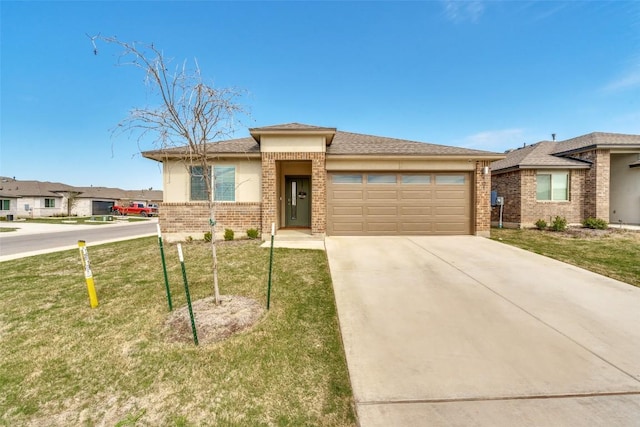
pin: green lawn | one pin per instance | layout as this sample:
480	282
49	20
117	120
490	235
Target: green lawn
613	253
62	363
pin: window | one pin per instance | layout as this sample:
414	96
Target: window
49	203
416	179
5	205
381	179
224	187
347	179
198	185
552	186
450	179
224	183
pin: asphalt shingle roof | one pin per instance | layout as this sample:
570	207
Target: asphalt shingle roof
355	143
343	143
536	156
292	126
12	188
596	140
18	188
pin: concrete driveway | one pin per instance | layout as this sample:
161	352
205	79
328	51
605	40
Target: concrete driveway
463	330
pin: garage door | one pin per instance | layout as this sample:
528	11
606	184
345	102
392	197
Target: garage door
367	203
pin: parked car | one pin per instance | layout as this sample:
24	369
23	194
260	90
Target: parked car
135	209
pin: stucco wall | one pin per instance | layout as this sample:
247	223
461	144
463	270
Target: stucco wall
293	144
624	202
248	174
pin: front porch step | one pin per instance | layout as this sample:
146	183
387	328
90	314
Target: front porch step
292	235
295	239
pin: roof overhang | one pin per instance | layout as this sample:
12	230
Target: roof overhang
617	148
471	158
539	167
161	156
258	133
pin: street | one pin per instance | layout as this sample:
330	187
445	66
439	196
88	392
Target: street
32	239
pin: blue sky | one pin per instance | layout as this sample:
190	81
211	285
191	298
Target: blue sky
488	75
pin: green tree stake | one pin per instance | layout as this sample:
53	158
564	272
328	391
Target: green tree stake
164	270
186	290
273	231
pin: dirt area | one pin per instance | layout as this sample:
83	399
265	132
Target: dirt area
214	322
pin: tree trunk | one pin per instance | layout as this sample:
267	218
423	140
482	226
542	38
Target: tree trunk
214	252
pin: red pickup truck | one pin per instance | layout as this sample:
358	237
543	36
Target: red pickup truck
135	209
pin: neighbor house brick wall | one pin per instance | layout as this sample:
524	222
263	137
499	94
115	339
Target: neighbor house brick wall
192	219
318	188
522	208
533	210
482	199
508	186
596	203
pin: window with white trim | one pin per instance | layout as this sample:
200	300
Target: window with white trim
5	205
198	187
552	186
224	183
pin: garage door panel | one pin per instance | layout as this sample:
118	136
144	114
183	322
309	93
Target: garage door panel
382	227
382	210
417	227
347	210
348	227
416	210
348	194
416	194
450	210
431	207
382	194
450	227
451	194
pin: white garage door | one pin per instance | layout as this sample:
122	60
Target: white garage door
368	203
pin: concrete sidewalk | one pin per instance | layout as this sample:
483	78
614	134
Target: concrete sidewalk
467	331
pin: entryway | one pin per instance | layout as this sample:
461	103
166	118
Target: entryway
298	201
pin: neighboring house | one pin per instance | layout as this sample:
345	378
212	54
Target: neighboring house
591	176
8	205
33	199
329	182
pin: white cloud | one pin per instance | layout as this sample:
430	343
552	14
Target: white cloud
628	81
495	140
460	11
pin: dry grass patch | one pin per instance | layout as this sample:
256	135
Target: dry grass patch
612	252
62	363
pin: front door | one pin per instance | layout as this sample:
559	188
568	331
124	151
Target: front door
298	202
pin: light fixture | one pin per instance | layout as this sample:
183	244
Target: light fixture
485	170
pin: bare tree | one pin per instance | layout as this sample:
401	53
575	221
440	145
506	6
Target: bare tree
191	114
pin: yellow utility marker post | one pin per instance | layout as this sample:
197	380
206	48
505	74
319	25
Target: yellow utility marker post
88	275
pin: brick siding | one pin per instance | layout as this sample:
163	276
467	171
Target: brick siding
522	209
482	200
318	189
596	198
192	219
